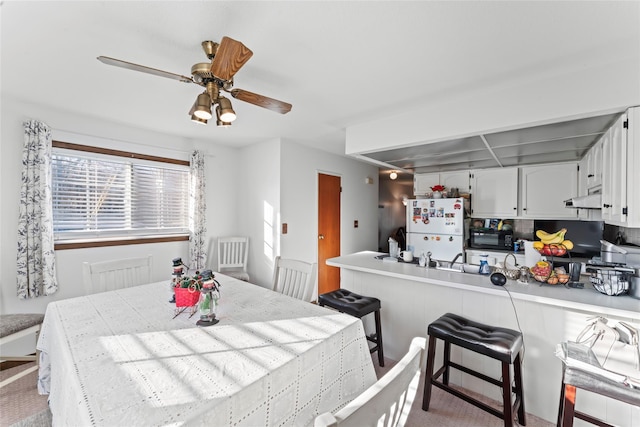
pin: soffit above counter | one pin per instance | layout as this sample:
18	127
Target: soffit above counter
548	143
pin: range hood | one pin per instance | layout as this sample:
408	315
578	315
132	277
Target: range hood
592	201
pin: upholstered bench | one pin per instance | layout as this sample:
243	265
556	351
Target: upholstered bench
359	306
16	326
502	344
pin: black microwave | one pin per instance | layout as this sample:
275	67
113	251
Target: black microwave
489	238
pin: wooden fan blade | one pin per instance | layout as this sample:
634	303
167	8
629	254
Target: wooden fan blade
142	68
230	57
261	101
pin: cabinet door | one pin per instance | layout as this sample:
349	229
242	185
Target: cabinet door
545	188
458	179
583	189
618	189
606	176
495	193
422	182
594	166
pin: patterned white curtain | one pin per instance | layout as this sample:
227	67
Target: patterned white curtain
36	267
197	212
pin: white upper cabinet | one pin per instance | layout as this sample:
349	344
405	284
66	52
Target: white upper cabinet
422	182
494	193
633	168
594	166
614	177
544	188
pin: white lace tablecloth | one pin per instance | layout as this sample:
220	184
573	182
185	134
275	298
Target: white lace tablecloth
119	359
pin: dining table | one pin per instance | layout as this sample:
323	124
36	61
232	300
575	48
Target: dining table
124	358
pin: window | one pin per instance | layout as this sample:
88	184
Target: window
105	194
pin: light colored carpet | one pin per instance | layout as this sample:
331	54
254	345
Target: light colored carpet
22	406
20	399
446	410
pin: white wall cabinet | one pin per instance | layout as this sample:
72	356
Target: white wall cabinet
495	193
544	188
422	182
594	167
614	176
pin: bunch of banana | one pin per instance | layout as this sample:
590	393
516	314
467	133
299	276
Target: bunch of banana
551	238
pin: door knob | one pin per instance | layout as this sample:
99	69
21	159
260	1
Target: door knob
321	237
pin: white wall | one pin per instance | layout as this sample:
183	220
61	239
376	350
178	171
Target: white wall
281	176
299	187
608	83
259	207
221	190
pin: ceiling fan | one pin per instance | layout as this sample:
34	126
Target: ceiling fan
226	57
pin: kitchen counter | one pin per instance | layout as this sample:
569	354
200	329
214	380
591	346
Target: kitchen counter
413	296
587	299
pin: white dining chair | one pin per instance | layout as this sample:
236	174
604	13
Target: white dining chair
116	274
294	278
14	327
232	257
388	401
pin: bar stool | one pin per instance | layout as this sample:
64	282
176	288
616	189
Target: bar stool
501	344
574	378
359	306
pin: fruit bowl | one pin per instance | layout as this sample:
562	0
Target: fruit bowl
553	250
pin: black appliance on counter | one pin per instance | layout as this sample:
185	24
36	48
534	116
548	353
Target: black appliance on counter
585	235
490	238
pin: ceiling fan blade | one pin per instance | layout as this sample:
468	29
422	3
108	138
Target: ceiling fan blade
261	101
230	57
142	68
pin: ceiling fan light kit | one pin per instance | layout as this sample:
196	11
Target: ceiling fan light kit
203	106
227	57
198	120
226	111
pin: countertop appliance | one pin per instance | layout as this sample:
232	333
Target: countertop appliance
490	238
436	226
621	260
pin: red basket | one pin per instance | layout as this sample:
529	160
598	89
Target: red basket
186	297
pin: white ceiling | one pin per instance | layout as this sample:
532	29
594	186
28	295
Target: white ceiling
338	63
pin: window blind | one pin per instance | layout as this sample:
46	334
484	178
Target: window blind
97	195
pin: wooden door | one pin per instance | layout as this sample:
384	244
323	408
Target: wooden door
328	231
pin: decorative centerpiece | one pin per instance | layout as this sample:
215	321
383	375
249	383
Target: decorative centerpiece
437	191
208	302
199	292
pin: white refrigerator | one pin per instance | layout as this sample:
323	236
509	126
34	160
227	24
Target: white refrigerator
436	226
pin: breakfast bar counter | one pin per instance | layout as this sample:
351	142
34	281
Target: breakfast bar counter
413	296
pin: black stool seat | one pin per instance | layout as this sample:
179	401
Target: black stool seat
498	343
502	344
350	302
359	306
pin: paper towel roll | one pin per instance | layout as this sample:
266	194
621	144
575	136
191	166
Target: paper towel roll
531	256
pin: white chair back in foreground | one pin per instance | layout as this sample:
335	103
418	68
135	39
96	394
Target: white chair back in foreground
388	401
